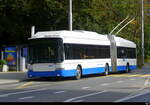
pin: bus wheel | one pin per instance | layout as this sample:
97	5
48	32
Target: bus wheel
78	73
106	70
127	68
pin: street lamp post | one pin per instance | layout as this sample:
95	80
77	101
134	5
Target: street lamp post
70	15
142	31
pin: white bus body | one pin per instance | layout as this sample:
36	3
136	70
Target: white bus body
73	43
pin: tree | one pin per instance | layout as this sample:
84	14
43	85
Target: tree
17	17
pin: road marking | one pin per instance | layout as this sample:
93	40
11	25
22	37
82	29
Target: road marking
119	75
145	75
8	85
132	79
57	83
71	99
6	82
78	101
39	85
137	75
132	95
146	82
28	91
119	81
104	84
25	85
29	97
129	75
85	87
59	92
4	95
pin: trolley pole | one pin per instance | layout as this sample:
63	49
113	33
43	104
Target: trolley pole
113	48
142	31
70	15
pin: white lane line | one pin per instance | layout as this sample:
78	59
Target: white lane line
8	85
71	99
146	82
85	87
4	95
6	82
29	97
119	81
78	101
28	91
130	97
132	79
104	84
133	96
59	92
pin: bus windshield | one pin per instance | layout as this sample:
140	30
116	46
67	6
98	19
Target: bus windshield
45	50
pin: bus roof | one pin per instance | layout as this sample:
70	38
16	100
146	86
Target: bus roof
124	42
84	37
65	33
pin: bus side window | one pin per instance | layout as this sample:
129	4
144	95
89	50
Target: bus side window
67	51
50	52
60	50
122	53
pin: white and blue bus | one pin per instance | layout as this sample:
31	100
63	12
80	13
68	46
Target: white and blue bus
78	53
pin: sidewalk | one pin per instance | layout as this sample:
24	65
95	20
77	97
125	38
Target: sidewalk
12	77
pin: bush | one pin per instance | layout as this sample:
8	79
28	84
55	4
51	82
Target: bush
3	62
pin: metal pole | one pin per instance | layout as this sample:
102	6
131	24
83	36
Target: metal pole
17	52
70	15
32	31
142	32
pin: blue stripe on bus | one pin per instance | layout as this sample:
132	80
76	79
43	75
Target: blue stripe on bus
71	73
122	68
63	73
87	71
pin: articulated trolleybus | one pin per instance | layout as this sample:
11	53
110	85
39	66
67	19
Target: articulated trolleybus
78	53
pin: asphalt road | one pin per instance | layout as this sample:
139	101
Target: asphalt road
118	87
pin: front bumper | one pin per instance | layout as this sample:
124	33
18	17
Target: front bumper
60	73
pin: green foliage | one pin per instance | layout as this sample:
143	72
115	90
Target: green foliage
3	62
17	17
147	41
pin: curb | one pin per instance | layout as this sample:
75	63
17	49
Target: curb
12	77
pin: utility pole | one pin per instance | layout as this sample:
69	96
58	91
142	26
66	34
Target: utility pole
142	31
70	15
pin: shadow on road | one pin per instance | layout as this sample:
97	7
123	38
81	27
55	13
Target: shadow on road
59	79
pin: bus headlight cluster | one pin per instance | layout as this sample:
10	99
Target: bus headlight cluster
30	67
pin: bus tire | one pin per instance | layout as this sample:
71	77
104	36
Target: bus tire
106	70
127	68
78	73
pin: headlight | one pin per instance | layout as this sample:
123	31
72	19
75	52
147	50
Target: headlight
60	67
30	67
